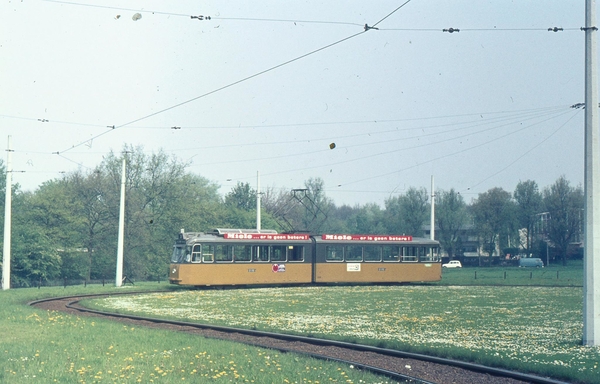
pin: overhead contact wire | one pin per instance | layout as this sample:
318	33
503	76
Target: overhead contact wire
222	88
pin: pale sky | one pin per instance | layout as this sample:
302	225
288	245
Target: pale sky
484	107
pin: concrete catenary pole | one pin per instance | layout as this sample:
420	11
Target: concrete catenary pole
591	284
120	241
7	220
258	225
432	222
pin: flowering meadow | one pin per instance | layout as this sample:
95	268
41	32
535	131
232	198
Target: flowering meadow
533	329
38	346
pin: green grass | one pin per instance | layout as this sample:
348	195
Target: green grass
554	275
46	346
530	329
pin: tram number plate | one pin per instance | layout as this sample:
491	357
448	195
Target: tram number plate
252	270
381	269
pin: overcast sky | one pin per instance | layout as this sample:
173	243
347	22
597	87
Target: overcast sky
271	86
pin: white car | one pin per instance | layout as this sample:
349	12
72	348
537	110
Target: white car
452	264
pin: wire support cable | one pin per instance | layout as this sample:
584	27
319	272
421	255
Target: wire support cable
219	89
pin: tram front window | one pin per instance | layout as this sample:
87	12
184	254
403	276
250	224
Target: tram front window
178	255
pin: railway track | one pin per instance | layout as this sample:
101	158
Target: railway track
397	365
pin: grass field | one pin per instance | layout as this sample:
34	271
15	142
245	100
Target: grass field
43	347
535	329
554	275
508	317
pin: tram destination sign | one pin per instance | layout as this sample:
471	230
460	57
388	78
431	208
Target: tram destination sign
266	236
367	237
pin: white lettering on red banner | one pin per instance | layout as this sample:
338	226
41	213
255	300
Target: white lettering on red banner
367	237
265	236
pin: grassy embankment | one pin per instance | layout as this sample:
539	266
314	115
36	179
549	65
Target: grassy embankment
531	326
43	347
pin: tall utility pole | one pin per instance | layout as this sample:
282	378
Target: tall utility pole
432	222
591	267
120	241
258	225
7	220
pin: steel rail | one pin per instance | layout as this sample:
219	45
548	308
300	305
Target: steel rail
313	341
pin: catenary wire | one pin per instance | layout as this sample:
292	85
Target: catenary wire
524	153
223	87
453	138
403	169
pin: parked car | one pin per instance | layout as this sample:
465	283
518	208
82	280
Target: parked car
531	262
452	264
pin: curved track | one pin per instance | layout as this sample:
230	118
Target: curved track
398	365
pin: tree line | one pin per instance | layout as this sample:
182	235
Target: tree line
67	228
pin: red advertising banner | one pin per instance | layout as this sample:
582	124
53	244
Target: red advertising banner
265	236
367	237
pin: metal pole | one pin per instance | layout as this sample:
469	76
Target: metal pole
591	268
7	220
432	223
258	226
119	277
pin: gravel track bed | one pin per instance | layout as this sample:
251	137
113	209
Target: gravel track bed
433	372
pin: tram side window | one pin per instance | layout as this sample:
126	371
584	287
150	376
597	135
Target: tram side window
409	254
354	253
260	253
242	253
278	253
423	256
390	253
334	253
222	253
372	253
295	253
429	254
208	253
196	253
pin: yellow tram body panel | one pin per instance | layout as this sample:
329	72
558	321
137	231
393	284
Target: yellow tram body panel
247	257
377	272
240	273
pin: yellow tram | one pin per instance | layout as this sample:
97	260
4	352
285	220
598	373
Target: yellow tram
249	257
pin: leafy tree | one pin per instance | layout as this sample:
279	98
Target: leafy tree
90	212
450	217
242	196
528	204
407	213
492	211
367	219
35	256
564	204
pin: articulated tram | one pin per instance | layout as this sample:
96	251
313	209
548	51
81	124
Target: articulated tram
248	256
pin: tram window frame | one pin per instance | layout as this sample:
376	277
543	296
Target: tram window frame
260	253
242	253
335	250
409	254
372	250
279	253
391	253
223	253
295	253
208	253
196	253
430	254
351	253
